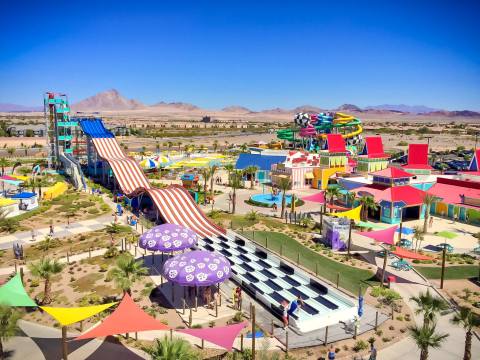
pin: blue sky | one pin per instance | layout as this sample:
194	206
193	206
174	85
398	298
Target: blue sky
259	54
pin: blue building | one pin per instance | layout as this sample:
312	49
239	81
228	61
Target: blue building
263	162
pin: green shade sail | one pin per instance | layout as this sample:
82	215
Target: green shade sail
447	234
13	293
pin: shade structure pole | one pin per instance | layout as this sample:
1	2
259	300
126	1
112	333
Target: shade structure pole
444	255
349	238
64	343
384	266
253	332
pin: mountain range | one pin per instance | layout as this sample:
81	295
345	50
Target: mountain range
112	100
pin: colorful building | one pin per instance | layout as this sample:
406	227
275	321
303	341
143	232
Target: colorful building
372	158
263	162
396	198
459	199
417	161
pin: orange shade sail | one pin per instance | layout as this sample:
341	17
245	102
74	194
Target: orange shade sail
127	317
406	254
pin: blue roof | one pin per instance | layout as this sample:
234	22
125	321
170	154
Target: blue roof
23	195
94	128
264	162
190	177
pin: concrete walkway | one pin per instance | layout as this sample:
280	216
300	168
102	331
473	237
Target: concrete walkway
60	231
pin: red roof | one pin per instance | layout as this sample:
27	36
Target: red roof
450	190
336	143
374	147
126	318
408	194
392	173
417	166
417	156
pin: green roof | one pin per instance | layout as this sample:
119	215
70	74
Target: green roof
13	293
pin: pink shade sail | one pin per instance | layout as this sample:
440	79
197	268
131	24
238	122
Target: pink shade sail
318	198
126	318
223	336
385	236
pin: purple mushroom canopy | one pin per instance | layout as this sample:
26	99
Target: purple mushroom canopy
168	238
197	268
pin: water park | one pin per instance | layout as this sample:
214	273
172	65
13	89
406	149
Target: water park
311	246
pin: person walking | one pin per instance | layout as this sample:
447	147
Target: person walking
34	234
373	352
51	230
430	222
239	298
331	353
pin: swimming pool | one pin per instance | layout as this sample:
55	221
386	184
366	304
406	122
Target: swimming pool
270	199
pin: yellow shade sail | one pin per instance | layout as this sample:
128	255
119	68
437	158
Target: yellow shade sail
353	214
67	316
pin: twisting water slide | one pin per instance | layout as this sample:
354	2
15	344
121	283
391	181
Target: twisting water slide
174	203
319	125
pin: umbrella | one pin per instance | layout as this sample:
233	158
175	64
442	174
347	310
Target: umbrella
447	234
148	164
406	230
360	305
162	160
167	238
197	268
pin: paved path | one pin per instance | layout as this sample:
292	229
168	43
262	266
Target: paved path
61	231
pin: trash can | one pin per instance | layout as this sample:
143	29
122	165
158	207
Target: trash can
391	279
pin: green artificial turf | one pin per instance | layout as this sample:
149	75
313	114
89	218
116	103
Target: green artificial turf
350	277
451	272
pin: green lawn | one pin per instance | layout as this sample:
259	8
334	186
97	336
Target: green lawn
350	277
451	272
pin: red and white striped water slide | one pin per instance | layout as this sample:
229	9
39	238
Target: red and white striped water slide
174	203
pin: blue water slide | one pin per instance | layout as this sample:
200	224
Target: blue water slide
94	128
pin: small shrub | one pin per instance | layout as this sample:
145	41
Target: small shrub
34	283
197	326
386	339
360	345
391	327
211	324
237	317
399	318
379	333
103	267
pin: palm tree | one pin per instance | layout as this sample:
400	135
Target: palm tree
332	193
112	229
429	306
126	271
212	170
350	197
17	164
428	200
157	147
251	170
175	349
215	145
45	269
284	184
3	164
367	203
8	325
418	236
468	320
235	183
206	176
243	147
229	168
170	145
11	151
425	337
